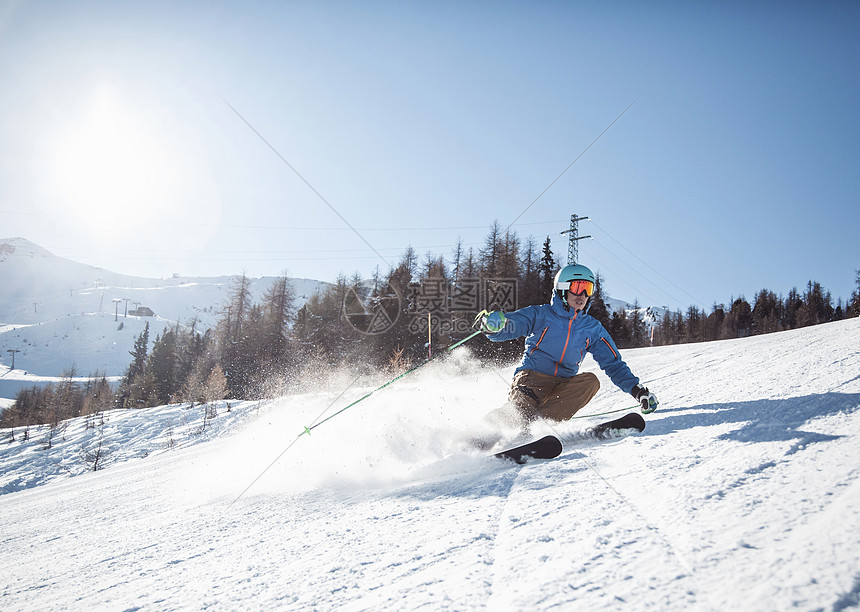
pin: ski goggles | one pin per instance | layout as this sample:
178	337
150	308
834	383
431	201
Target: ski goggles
576	287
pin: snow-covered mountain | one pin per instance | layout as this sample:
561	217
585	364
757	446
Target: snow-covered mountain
650	315
742	493
59	313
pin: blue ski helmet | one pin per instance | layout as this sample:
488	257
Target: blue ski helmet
576	272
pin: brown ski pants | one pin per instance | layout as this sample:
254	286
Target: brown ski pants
538	395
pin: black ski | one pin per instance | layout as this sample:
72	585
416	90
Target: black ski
550	447
617	428
545	448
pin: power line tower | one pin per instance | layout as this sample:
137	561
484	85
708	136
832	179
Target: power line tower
573	239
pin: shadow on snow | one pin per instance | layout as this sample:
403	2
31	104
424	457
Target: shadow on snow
766	420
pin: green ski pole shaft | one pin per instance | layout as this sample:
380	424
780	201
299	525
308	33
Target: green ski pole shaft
308	430
596	414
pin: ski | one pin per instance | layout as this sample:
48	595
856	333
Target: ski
550	447
547	447
617	428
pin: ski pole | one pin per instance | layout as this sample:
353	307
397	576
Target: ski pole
588	416
307	430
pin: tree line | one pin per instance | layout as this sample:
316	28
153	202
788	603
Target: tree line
387	324
767	313
54	403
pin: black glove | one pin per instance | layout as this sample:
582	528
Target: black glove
646	398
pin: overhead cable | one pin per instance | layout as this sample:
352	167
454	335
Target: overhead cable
569	166
311	187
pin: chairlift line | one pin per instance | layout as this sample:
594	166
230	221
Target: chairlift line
698	301
569	166
305	181
359	234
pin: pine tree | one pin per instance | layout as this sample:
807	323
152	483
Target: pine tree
792	307
638	334
839	313
739	319
231	336
547	268
306	327
666	330
190	345
194	385
470	265
98	395
619	328
530	277
715	322
68	400
598	308
252	368
508	256
136	369
403	273
162	365
457	261
433	267
215	387
694	325
238	307
766	313
817	306
680	327
139	354
853	307
278	304
490	254
142	391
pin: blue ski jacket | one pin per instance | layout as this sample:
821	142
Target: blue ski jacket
557	339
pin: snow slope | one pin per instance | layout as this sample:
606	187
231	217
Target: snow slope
742	493
61	314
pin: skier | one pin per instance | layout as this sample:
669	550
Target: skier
547	384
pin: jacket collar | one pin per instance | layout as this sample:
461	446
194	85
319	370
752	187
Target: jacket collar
563	310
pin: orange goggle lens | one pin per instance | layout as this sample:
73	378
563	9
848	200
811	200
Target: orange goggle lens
576	287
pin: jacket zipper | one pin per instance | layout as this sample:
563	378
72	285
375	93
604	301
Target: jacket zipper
610	347
566	340
542	334
584	351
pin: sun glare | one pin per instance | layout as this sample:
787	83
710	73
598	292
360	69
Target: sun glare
113	164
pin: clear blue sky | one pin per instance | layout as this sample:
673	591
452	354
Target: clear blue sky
421	123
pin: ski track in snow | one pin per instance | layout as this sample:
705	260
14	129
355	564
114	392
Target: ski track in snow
743	492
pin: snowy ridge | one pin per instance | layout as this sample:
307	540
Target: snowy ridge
743	492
